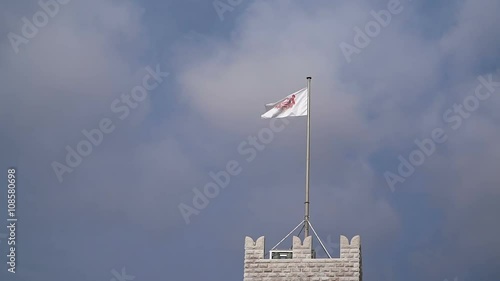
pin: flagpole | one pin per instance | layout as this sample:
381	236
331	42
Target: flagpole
308	144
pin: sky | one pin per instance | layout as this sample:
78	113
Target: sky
139	153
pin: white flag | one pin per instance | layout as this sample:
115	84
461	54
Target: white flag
293	105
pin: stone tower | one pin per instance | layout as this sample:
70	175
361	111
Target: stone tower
302	266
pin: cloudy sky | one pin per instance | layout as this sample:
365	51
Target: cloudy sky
388	77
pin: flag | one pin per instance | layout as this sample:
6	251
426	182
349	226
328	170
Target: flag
293	105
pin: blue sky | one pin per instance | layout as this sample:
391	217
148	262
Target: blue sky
119	206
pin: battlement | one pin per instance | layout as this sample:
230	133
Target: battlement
302	266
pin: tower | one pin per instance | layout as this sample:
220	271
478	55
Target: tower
302	266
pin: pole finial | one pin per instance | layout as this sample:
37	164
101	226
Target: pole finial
309	78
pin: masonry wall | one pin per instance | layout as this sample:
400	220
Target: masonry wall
302	267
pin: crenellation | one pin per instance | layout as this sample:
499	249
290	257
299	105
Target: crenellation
254	249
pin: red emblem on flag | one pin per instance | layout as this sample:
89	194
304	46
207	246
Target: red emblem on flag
287	103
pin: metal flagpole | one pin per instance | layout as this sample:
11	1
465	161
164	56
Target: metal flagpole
306	217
